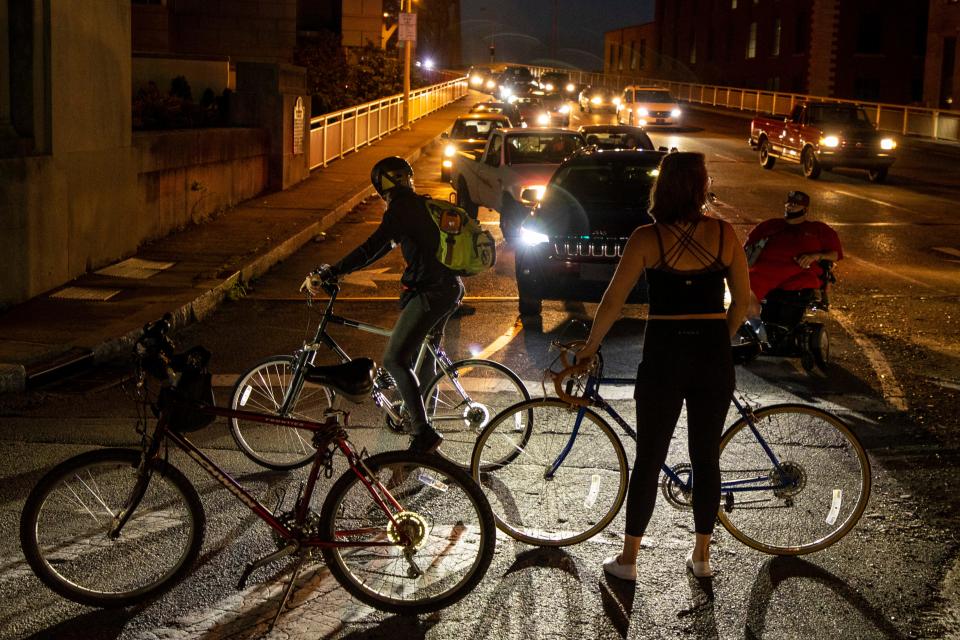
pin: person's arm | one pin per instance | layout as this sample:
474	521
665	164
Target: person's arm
830	247
807	259
738	281
373	248
611	305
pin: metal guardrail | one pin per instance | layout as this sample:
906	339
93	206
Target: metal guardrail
334	135
933	124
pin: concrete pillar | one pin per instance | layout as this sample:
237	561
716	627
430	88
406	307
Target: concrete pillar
6	126
267	97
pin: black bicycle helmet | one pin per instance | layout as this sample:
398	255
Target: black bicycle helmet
391	173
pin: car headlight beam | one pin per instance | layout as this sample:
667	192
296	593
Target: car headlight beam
830	141
888	144
643	112
543	119
449	151
532	238
565	109
596	100
675	113
570	87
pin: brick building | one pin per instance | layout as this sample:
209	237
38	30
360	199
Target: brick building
941	80
843	48
631	50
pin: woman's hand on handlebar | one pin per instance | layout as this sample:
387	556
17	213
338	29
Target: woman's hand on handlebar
313	283
585	354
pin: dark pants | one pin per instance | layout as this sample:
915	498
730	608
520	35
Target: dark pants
424	313
683	360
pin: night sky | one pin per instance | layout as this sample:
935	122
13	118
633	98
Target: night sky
523	29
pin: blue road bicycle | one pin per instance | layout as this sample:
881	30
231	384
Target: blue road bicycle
794	478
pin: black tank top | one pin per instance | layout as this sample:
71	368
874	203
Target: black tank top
675	292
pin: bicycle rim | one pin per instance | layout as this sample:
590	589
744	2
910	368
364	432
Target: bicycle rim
812	499
571	504
462	402
262	389
68	516
445	515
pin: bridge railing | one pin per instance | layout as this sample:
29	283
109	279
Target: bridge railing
932	124
334	135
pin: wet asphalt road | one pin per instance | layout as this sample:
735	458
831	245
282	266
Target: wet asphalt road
895	326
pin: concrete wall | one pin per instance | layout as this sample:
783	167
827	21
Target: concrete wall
944	22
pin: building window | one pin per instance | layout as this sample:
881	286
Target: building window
752	41
633	56
801	32
733	4
870	33
620	57
776	38
643	54
612	53
693	53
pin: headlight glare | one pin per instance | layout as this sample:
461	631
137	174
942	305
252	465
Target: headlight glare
548	87
643	112
830	141
565	109
596	100
675	113
888	144
476	80
570	87
616	101
449	151
543	119
532	238
491	84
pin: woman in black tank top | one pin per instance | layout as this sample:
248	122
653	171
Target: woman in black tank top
687	256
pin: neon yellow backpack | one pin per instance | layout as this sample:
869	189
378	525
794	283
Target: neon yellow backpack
465	247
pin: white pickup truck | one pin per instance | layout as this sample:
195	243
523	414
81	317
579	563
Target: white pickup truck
512	171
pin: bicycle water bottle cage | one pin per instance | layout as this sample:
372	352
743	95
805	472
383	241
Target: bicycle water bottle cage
353	380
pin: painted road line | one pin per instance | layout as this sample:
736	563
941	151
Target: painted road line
894	274
725	157
500	342
882	203
891	389
950	251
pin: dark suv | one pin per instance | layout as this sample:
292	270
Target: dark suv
572	241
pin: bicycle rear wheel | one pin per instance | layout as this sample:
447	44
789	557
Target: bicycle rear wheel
262	389
461	404
808	501
551	488
444	519
67	519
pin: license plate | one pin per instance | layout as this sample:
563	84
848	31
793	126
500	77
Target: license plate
597	272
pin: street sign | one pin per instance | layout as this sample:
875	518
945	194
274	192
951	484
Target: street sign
408	27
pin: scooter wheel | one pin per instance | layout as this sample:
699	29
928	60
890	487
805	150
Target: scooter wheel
818	345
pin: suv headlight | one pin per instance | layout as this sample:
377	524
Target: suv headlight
532	238
675	113
888	144
570	87
449	151
643	112
830	141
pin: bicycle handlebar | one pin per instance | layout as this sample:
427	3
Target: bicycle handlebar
570	371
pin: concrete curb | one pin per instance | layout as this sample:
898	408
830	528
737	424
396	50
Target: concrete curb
207	302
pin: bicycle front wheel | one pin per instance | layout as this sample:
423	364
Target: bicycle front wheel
442	530
67	521
795	481
262	389
560	484
463	400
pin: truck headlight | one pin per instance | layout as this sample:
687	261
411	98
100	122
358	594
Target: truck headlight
675	113
570	87
449	151
532	238
888	144
830	141
596	100
543	119
642	112
565	109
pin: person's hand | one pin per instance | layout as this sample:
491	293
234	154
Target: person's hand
585	354
313	283
807	259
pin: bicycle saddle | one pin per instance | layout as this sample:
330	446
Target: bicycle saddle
352	379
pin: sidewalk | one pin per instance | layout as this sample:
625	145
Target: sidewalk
49	335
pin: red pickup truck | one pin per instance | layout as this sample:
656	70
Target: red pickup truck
824	135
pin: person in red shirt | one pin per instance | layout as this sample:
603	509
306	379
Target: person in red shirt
784	253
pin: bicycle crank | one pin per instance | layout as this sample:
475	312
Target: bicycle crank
678	492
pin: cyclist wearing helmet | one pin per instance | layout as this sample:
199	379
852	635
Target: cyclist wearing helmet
784	253
431	291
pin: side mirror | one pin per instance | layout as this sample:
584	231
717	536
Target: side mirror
530	197
454	198
444	135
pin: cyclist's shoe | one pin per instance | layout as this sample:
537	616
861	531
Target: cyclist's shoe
699	569
613	567
427	441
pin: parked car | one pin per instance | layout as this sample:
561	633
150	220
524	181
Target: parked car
598	99
556	111
505	108
822	135
571	243
469	133
513	168
616	136
649	107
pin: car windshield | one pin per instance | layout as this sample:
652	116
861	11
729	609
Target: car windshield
622	184
541	148
479	128
653	96
619	140
837	114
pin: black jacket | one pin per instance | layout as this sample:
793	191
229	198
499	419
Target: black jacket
408	223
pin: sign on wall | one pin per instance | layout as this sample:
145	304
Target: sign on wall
298	127
408	27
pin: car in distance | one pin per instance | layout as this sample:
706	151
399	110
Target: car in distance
529	107
824	135
506	108
515	166
469	133
598	99
649	107
482	79
572	241
556	111
557	81
616	136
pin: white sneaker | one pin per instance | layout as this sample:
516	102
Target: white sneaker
623	571
699	569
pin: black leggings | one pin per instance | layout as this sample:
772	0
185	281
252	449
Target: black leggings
682	360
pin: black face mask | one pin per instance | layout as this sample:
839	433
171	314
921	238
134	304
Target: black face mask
793	214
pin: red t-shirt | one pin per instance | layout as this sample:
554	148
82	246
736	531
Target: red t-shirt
776	267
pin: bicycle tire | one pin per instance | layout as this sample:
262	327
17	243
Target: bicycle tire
824	483
64	533
262	388
432	490
585	493
461	418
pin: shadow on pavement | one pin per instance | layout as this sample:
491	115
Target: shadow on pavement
101	624
407	627
777	570
616	596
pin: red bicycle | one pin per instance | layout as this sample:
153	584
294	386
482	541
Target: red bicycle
404	532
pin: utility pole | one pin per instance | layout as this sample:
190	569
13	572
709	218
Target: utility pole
407	46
